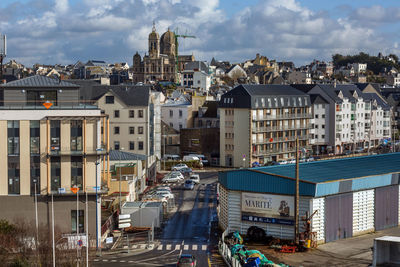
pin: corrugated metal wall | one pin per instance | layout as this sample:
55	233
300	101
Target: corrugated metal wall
363	211
318	221
338	217
235	223
386	207
223	207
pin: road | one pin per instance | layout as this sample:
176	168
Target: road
186	232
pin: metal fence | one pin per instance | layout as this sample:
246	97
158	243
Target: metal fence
225	252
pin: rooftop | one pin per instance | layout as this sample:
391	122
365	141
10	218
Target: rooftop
39	81
116	155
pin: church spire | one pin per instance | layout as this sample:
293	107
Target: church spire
154	26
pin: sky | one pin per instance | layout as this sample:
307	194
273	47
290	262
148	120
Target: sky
65	31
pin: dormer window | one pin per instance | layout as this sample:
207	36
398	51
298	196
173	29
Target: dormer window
340	94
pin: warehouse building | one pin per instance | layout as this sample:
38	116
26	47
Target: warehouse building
351	196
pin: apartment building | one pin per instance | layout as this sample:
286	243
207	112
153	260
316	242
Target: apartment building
45	152
260	123
348	118
135	121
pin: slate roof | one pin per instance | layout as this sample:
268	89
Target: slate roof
131	95
116	155
271	89
199	65
318	99
39	81
212	107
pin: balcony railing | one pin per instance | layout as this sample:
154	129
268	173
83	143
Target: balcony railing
281	139
280	117
65	151
38	105
276	151
280	128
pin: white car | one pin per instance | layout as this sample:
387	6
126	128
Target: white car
176	173
166	194
173	177
283	162
179	166
163	188
292	161
195	178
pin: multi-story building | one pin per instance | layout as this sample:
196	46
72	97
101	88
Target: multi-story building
261	123
195	75
48	151
346	118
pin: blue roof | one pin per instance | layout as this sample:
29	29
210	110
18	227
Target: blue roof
319	178
338	169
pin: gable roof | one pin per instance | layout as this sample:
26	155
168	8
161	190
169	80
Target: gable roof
122	155
39	81
196	65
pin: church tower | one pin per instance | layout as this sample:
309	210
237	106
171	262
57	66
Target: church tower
154	43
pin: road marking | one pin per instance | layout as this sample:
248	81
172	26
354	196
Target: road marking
96	260
186	247
105	260
130	261
160	247
125	247
135	246
113	260
177	247
204	247
168	247
122	261
194	247
142	246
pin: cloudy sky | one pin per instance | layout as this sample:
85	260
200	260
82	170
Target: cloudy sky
64	31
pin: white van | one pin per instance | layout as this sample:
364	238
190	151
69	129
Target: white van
171	157
190	158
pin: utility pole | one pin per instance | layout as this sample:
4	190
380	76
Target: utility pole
296	196
3	53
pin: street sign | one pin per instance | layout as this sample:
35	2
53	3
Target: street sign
109	240
74	189
47	105
96	188
124	216
80	243
124	225
61	190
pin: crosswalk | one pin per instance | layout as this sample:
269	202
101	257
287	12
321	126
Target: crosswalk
192	247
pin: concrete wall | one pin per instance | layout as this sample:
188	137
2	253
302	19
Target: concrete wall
242	137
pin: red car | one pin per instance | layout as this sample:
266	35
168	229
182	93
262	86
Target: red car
186	260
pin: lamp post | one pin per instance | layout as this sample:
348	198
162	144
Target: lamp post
120	197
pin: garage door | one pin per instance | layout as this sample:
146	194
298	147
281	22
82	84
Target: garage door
386	207
338	217
363	211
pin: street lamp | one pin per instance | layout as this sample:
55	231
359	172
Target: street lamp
120	198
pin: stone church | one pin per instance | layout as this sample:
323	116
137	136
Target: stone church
160	63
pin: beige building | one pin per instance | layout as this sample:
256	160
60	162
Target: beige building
260	123
49	151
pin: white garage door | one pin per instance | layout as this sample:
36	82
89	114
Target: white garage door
318	221
363	211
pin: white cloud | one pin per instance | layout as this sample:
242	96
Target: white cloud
279	29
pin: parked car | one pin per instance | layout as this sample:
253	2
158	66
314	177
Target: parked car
186	171
173	177
346	152
283	162
164	187
302	160
171	157
292	161
310	159
179	166
195	178
190	158
186	260
189	184
166	194
359	150
255	164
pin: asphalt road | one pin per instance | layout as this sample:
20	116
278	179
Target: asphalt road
186	232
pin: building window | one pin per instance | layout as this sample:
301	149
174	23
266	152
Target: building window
171	113
110	99
131	114
35	137
171	124
131	130
323	116
116	145
323	126
35	174
13	137
76	172
180	126
140	113
170	140
13	175
316	116
74	220
37	98
55	135
116	130
140	130
76	135
180	113
55	173
131	145
140	145
116	113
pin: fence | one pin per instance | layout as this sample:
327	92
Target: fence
225	252
109	224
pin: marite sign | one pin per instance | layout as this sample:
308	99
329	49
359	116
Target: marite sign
267	208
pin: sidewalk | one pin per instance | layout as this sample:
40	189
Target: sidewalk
355	251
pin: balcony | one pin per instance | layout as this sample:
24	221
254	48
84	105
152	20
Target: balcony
279	128
67	151
281	139
276	151
282	117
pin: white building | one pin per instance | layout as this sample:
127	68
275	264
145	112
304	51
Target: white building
359	67
196	75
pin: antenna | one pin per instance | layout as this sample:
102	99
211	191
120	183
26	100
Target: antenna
3	53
